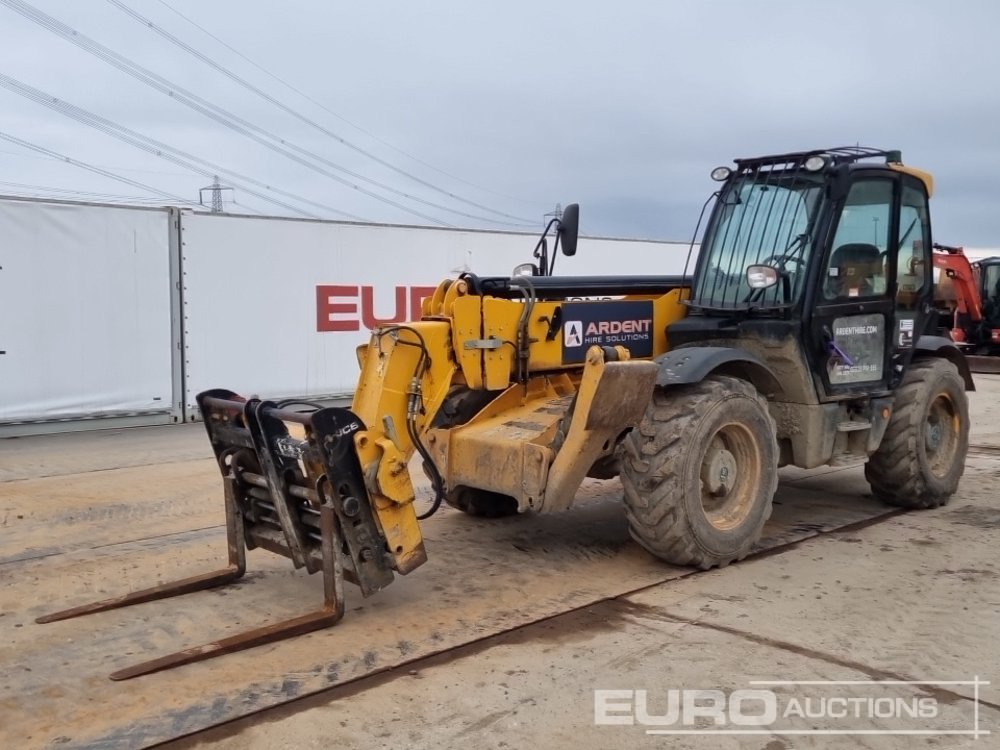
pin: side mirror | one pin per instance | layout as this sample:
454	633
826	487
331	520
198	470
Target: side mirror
761	277
569	228
525	269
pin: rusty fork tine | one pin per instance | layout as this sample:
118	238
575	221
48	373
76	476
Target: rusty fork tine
332	612
235	569
163	591
249	639
243	527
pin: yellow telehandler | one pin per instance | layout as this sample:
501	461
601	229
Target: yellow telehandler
802	337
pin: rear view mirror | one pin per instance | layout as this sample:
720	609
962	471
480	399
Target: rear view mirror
525	269
762	277
569	227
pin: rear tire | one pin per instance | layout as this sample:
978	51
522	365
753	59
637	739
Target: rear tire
922	455
700	472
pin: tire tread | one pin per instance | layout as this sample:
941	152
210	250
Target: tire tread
653	468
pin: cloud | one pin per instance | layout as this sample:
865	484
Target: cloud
623	107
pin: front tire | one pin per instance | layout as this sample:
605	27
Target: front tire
700	472
922	455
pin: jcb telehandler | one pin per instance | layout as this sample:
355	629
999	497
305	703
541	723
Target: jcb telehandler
801	338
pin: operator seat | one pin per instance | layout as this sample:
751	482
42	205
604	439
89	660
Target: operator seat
852	270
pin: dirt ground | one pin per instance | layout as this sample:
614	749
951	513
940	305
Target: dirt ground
502	639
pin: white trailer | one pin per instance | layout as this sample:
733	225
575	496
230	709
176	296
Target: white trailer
113	315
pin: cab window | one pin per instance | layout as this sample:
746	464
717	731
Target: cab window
914	236
856	266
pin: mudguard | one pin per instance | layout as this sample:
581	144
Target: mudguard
939	346
692	364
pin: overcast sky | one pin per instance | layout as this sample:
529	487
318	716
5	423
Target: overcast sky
621	106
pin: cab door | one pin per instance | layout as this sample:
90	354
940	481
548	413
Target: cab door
872	287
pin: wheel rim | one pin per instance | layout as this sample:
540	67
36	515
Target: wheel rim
941	434
730	476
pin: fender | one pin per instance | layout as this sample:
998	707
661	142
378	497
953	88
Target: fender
939	346
692	364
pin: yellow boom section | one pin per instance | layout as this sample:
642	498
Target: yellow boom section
545	422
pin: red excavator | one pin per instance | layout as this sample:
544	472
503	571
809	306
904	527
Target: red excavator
967	298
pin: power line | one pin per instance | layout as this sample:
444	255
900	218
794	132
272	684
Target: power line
340	117
164	86
293	112
23	155
228	120
41	193
92	168
58	193
23	190
79	193
130	137
162	150
224	117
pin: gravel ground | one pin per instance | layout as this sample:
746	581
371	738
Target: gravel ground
502	639
915	597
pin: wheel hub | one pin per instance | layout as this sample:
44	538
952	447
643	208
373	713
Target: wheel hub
730	475
941	434
933	436
718	472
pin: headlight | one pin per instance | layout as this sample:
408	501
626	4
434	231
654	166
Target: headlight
815	163
721	174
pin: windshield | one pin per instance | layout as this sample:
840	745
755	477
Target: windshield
763	218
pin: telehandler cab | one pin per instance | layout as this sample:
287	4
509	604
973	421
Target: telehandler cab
801	338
